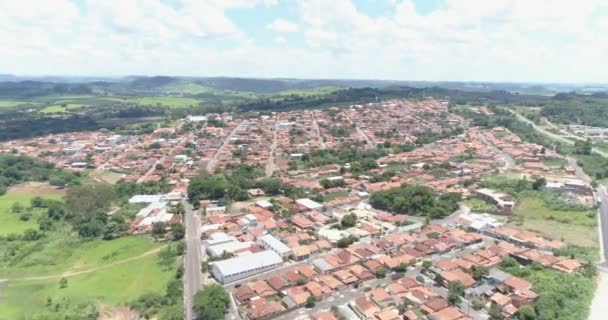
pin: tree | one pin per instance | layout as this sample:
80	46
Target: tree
526	313
37	202
426	264
112	230
84	200
159	229
178	231
63	283
310	301
211	303
348	221
381	273
204	186
402	267
539	183
479	271
16	207
455	290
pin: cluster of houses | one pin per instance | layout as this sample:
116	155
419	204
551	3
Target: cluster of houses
389	269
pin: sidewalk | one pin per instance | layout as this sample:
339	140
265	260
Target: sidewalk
599	307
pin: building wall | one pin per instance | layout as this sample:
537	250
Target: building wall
245	274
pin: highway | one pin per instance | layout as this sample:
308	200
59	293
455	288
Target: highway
192	259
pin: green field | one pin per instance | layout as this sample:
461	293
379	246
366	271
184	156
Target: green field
60	109
554	162
478	205
172	102
11	103
575	227
335	195
10	221
115	286
61	252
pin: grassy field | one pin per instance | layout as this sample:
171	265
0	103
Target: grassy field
554	162
576	227
478	205
11	103
10	221
61	109
61	252
115	286
171	102
334	195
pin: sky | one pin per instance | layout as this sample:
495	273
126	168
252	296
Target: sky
433	40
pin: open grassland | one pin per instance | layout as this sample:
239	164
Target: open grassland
12	103
113	286
478	205
310	91
61	252
171	102
576	227
61	109
185	87
335	195
10	222
554	162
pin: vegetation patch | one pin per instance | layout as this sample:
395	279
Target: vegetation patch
171	102
561	295
573	226
15	214
113	286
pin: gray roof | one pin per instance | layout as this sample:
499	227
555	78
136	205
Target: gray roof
322	265
498	274
275	243
247	262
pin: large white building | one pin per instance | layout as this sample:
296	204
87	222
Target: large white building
269	242
234	269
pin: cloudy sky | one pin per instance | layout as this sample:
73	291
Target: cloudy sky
483	40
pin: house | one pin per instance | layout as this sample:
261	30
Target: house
230	270
364	307
323	315
269	242
264	308
449	313
306	204
504	202
457	275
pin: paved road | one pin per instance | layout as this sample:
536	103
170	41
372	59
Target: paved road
317	130
213	162
509	161
553	135
368	141
603	212
273	148
192	260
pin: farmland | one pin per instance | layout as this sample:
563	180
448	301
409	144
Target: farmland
171	102
61	108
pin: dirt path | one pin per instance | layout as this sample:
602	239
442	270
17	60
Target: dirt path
76	273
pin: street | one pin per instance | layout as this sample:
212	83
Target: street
273	147
603	212
192	259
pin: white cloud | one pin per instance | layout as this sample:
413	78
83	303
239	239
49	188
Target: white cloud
513	40
281	25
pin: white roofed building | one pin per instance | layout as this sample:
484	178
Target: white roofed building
245	266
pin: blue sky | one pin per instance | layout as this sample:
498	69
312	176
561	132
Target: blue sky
461	40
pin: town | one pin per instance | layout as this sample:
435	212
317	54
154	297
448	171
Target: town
324	234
